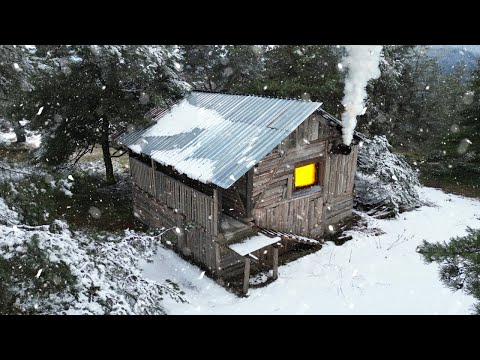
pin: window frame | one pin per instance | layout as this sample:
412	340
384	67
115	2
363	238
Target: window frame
319	173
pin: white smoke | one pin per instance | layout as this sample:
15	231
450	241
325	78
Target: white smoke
362	62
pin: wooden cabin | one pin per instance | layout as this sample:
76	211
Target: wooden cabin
241	178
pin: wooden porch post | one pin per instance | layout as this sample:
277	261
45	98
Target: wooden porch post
275	262
246	276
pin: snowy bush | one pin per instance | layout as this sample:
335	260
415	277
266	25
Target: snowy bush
37	198
52	270
384	183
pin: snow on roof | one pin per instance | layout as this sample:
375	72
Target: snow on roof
216	138
253	243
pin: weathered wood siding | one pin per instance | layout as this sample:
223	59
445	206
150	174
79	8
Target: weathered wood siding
298	216
338	194
193	241
195	205
141	175
276	205
201	245
150	211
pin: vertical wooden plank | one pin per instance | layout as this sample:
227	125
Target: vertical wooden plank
299	136
275	262
326	190
217	259
341	173
249	205
189	204
314	128
206	200
246	276
354	168
306	223
334	175
216	207
350	172
181	233
194	206
154	186
203	211
346	177
171	193
293	139
311	215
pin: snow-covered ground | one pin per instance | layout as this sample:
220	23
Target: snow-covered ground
367	275
33	139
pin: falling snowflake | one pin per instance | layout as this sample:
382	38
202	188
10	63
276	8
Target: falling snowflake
39	273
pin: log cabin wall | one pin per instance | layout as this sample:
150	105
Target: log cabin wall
338	190
276	204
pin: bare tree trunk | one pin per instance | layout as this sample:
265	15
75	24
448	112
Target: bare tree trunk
107	157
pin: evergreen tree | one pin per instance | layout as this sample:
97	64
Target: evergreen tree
83	94
399	99
459	261
203	66
222	67
304	71
243	66
14	71
463	146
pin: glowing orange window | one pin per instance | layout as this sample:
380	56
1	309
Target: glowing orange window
305	175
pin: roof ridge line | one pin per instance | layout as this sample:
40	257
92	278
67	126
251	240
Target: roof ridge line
253	95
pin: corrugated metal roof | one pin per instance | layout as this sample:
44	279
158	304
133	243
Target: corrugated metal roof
246	129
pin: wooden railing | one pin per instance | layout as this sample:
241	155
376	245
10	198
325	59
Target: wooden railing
194	205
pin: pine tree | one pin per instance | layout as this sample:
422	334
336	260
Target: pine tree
229	68
203	66
83	94
14	72
304	71
465	131
243	67
459	261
